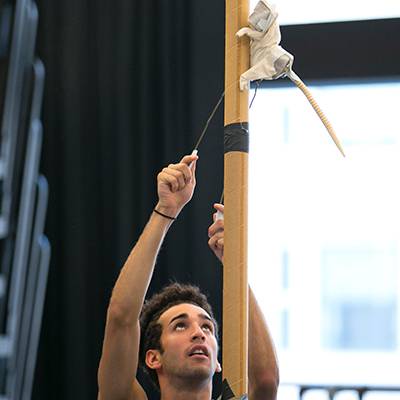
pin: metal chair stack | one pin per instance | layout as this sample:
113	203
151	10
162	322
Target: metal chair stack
24	250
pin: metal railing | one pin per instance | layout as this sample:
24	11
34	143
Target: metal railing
25	251
334	390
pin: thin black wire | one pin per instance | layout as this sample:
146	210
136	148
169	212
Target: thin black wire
221	201
208	121
255	92
215	110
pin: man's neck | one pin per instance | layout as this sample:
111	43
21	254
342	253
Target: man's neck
171	391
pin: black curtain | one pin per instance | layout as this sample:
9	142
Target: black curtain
129	86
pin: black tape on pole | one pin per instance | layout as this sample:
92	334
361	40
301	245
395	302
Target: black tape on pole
236	137
227	393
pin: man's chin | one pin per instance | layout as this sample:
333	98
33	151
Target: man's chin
198	372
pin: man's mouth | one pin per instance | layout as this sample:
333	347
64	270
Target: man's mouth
198	352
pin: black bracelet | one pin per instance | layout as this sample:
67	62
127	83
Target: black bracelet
164	215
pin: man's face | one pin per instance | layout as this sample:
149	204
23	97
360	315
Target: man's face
188	342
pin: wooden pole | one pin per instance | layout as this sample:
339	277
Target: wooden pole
235	291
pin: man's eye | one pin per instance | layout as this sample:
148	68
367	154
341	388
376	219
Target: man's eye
207	327
180	326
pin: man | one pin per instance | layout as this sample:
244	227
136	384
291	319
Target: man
179	344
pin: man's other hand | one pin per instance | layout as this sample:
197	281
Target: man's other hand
216	233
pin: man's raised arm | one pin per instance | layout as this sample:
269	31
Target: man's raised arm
119	360
263	364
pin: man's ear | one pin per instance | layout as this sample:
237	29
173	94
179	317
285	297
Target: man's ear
153	359
218	367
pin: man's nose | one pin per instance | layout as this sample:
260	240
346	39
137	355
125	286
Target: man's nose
198	333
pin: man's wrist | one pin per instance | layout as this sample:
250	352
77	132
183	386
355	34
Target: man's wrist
164	215
167	211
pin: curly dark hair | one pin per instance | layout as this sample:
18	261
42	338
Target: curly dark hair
150	328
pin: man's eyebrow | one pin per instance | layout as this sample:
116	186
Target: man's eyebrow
186	316
205	316
180	316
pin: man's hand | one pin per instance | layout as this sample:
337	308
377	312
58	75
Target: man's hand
263	369
216	234
175	185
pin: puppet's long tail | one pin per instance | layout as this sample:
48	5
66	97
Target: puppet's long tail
299	83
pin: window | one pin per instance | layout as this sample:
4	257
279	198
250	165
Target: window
324	231
311	11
